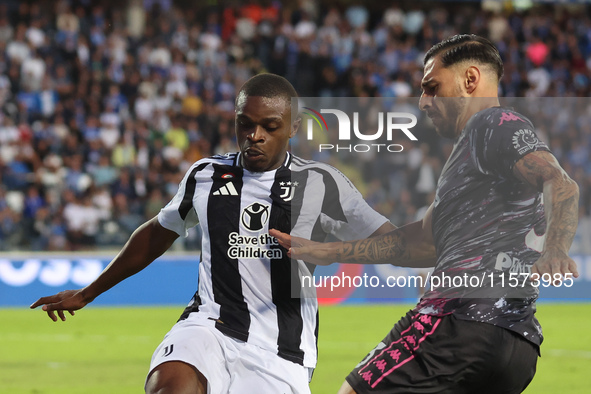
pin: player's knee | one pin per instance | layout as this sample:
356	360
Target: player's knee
176	378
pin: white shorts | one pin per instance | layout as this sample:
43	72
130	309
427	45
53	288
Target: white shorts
230	365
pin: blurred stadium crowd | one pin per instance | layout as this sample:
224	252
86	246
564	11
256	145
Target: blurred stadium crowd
106	104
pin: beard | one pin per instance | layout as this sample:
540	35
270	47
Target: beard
446	125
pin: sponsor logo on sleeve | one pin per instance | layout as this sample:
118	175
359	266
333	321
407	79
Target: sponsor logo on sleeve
525	140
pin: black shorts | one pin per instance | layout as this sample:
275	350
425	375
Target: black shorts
429	354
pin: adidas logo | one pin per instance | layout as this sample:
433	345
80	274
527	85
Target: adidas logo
227	190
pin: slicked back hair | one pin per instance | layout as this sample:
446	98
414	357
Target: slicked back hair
464	47
268	85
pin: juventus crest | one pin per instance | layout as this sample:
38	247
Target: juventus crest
288	190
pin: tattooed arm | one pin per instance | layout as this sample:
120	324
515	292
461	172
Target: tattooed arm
561	200
410	246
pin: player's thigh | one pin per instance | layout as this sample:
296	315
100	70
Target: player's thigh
176	377
346	389
397	364
443	355
514	368
492	359
201	348
264	372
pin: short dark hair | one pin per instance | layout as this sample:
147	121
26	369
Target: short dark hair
268	85
463	47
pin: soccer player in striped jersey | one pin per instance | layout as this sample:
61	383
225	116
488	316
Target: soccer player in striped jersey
244	330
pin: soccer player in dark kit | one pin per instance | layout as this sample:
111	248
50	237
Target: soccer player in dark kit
243	331
501	192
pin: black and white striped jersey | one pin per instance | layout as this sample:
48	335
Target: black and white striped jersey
246	280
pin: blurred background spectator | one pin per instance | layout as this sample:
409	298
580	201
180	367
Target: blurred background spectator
104	105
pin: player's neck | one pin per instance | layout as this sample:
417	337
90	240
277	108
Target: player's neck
475	105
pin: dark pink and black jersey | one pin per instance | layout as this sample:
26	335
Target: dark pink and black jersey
488	226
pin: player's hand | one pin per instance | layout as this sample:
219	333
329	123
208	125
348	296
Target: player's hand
303	249
68	300
553	262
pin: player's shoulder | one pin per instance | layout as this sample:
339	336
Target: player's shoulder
225	159
503	118
501	129
323	169
204	166
299	164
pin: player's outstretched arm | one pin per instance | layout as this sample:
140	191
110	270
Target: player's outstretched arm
561	205
146	244
410	245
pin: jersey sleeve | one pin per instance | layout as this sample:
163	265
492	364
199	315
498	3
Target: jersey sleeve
355	219
179	214
507	137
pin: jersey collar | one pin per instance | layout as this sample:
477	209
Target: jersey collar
286	162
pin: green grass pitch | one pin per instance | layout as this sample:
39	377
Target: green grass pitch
107	350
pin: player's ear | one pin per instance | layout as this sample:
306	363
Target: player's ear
472	79
295	126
